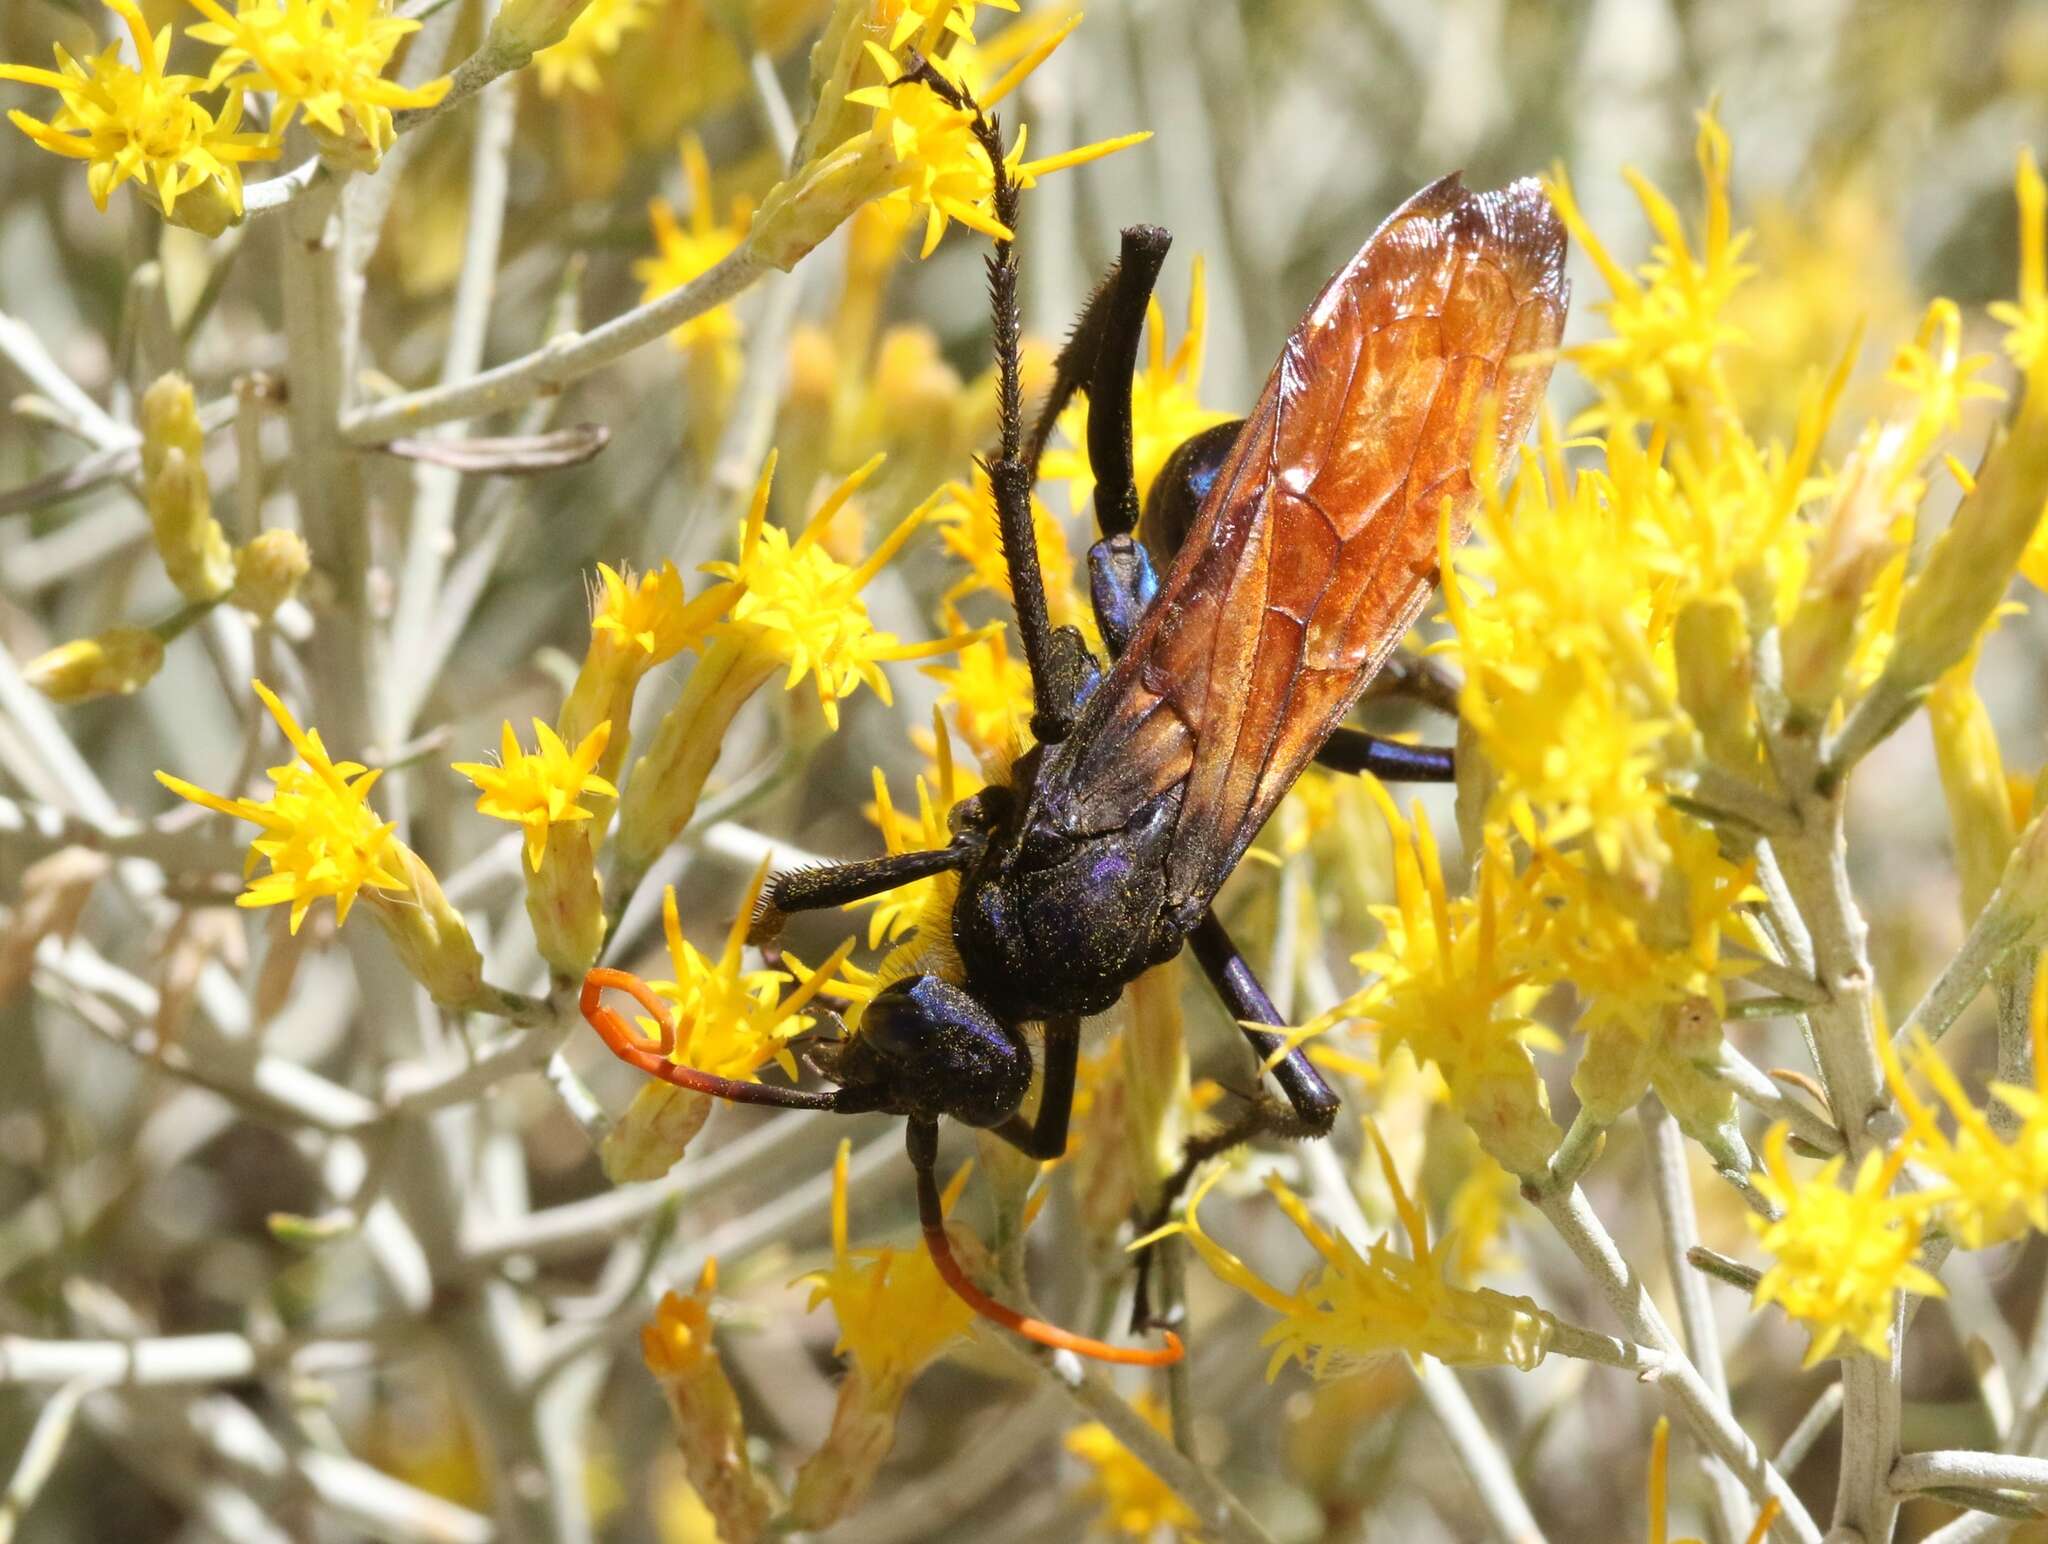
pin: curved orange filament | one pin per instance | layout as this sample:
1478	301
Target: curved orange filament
652	1056
941	1250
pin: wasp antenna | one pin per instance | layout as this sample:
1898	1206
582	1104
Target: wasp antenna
931	1214
652	1056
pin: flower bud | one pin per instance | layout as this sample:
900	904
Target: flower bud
1971	565
1973	782
112	664
651	1137
661	794
524	27
208	208
174	487
711	1431
1698	1097
804	208
1711	644
1855	544
428	933
564	900
268	569
1613	1072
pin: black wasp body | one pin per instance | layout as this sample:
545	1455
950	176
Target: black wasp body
1277	564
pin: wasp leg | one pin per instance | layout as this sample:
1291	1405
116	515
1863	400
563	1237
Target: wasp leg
1353	750
815	889
1311	1103
1044	1136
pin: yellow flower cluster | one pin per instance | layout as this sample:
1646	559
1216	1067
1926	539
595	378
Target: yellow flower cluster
1841	1254
1357	1306
915	146
323	60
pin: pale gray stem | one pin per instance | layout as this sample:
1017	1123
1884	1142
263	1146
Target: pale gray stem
1964	1467
39	1455
1680	1231
559	361
1709	1420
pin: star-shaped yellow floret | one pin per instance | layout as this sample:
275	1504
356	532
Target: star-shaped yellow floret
1842	1253
798	603
687	252
539	788
322	836
938	163
895	1312
596	34
645	617
323	58
138	122
1357	1306
729	1021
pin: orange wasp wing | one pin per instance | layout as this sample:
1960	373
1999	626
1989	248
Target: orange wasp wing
1317	545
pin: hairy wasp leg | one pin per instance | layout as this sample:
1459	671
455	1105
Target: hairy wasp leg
922	1138
1044	1136
817	889
1314	1102
1353	750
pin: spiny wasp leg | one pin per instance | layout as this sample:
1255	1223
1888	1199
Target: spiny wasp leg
837	884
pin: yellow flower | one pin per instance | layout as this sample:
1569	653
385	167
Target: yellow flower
1841	1254
988	692
938	165
1565	686
1629	955
686	254
1452	984
1136	1503
730	1021
539	788
895	1312
924	905
1993	1188
324	59
595	35
896	1315
1166	407
1354	1307
141	123
322	836
801	606
711	1432
932	22
965	514
646	619
2026	340
1669	319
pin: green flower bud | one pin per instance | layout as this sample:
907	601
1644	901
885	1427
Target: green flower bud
112	664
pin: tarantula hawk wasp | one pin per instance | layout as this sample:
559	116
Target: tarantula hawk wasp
1300	545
